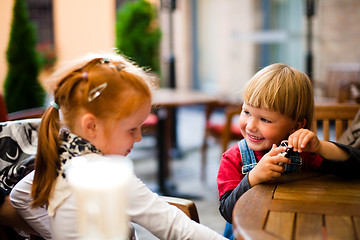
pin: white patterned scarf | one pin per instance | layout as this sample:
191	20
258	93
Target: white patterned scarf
71	146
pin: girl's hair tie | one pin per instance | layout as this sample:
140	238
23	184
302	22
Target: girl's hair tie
85	76
55	105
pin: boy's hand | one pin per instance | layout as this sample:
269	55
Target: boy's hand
304	140
268	167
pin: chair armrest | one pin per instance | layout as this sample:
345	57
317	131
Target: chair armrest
185	205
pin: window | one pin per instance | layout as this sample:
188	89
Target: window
41	14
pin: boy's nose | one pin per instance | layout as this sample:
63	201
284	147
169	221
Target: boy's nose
251	124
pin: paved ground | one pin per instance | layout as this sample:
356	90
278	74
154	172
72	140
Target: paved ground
185	170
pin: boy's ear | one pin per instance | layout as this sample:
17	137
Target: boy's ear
89	125
298	125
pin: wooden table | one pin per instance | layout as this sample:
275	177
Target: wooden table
304	205
164	102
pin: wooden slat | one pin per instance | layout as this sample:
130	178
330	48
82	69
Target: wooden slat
326	189
339	128
332	208
308	227
314	126
319	197
357	226
339	227
336	111
340	113
326	132
280	224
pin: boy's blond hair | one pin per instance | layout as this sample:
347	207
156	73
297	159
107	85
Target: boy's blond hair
284	89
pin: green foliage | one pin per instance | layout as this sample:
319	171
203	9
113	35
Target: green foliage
46	53
138	35
21	88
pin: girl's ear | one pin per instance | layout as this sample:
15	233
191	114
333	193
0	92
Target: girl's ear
89	125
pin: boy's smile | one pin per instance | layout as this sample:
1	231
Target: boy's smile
262	127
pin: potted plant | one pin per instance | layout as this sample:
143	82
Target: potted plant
22	89
138	35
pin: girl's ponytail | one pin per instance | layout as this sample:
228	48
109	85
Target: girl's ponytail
47	160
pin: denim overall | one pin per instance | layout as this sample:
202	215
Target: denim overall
249	162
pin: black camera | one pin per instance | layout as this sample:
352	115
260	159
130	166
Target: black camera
296	160
289	151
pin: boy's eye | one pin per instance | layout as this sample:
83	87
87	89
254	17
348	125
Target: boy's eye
246	112
265	120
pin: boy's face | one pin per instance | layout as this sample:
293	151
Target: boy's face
262	128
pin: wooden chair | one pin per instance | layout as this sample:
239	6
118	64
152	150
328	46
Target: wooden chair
223	132
231	130
340	114
185	205
339	79
25	114
3	110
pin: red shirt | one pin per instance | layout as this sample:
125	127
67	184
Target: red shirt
230	175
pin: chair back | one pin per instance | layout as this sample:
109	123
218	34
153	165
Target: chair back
3	110
26	114
222	132
229	133
185	205
335	117
339	78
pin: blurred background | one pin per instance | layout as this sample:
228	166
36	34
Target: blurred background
213	46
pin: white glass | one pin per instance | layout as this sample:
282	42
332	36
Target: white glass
100	185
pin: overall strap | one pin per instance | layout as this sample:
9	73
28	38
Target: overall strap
247	156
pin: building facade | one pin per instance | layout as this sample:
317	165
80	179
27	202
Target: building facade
217	45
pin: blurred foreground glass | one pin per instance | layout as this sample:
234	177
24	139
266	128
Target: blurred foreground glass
100	185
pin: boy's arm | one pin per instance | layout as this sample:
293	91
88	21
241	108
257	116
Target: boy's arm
228	200
332	151
304	140
349	167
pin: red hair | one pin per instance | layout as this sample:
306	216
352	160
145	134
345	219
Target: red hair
123	89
